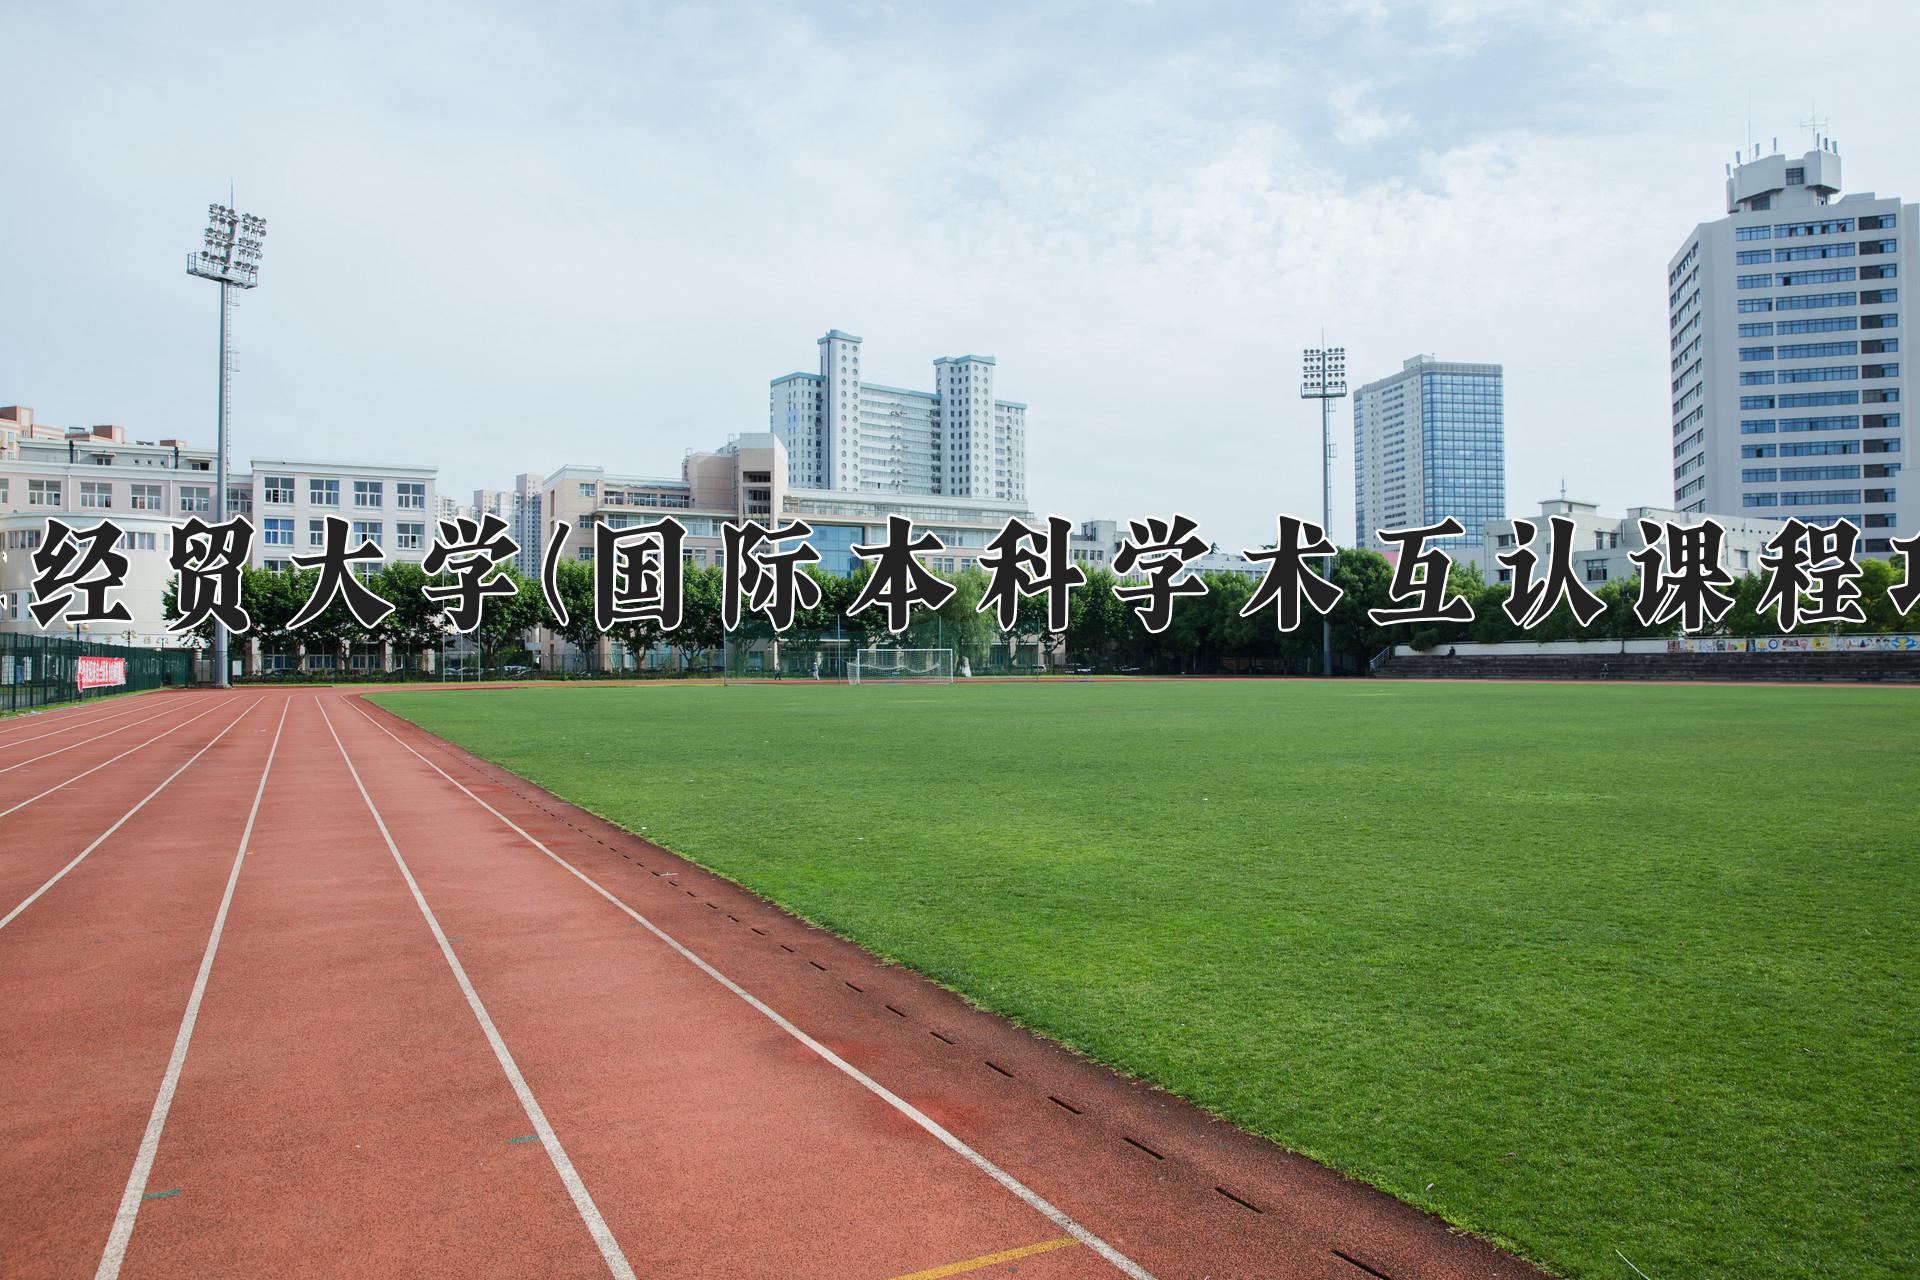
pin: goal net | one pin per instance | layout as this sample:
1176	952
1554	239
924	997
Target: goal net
923	666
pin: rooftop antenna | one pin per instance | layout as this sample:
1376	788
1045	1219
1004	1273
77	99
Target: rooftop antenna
1563	488
1815	124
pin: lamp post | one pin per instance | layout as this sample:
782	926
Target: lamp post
230	257
1323	377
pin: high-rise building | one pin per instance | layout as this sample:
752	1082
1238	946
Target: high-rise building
520	508
1429	442
842	433
1784	333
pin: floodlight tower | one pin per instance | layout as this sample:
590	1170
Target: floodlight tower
1323	377
231	258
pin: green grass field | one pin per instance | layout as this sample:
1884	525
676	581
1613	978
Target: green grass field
1582	968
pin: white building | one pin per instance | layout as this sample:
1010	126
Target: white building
146	487
83	475
1429	442
1784	336
845	434
1603	545
289	501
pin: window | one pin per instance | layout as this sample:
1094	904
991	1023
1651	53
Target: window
1824	275
1764	280
1807	350
1758	329
1753	233
1750	257
368	493
43	493
316	533
1756	402
1879	370
97	494
1797	176
410	495
1756	378
276	532
143	497
409	536
366	531
1877	222
1879	246
1759	499
589	489
279	491
1813	252
1818	301
195	499
3	488
1820	473
1820	324
134	540
323	493
1823	373
1759	475
1756	353
1787	230
1749	305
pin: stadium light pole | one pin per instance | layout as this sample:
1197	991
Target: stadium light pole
1323	377
230	256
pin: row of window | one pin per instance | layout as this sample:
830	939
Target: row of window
1768	475
1820	301
1801	449
277	531
1819	373
408	495
1816	497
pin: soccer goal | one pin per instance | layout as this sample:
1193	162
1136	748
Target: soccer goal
920	666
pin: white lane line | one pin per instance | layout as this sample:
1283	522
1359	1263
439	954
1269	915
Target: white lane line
48	755
80	857
123	1221
582	1200
123	755
1059	1217
68	725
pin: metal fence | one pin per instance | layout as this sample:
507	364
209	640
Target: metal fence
39	671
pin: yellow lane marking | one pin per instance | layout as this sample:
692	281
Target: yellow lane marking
989	1259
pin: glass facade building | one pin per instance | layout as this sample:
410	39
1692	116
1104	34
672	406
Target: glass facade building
1430	442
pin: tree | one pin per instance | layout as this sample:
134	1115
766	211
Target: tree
416	624
506	619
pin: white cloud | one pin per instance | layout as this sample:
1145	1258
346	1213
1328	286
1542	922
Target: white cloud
500	245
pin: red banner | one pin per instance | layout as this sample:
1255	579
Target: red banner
99	673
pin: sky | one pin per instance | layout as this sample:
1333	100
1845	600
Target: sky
506	239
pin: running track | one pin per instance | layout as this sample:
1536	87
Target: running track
291	988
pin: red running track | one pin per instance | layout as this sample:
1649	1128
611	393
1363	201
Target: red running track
291	988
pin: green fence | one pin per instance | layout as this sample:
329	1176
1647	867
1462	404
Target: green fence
39	671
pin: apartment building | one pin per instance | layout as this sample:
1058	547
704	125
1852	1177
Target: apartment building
845	434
